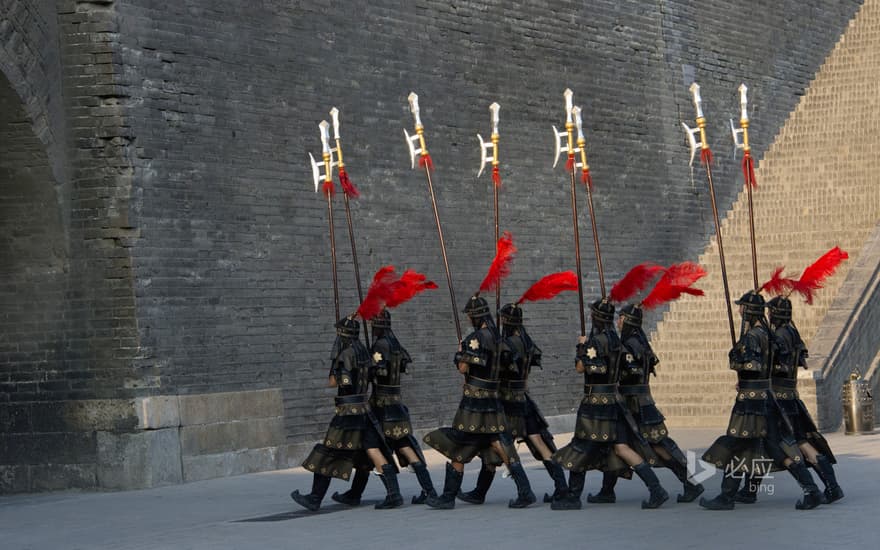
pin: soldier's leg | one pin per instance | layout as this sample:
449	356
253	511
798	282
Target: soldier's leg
606	493
451	486
484	481
724	501
691	490
312	501
505	449
393	498
658	494
422	475
352	497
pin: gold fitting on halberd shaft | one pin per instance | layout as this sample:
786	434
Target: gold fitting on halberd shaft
339	162
495	139
328	174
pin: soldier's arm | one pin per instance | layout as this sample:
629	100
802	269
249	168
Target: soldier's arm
580	350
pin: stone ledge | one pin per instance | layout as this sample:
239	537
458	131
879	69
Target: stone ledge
210	408
207	466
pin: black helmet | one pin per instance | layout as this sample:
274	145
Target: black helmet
511	315
780	309
382	320
603	311
631	315
348	327
476	307
753	304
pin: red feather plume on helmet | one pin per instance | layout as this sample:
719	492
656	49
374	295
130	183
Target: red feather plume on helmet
500	267
405	288
634	281
549	286
814	275
378	294
778	285
676	280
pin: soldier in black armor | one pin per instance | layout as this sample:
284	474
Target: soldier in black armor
390	360
352	439
605	433
480	424
789	354
756	434
524	421
638	364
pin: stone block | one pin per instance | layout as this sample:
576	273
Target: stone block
63	477
136	460
223	407
14	479
232	463
160	411
231	436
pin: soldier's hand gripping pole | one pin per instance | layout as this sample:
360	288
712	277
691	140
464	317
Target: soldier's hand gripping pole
748	168
706	159
487	158
426	162
329	191
558	136
348	191
588	182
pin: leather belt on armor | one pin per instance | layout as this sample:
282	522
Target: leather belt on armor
516	385
635	389
387	390
482	384
590	389
351	399
785	383
754	384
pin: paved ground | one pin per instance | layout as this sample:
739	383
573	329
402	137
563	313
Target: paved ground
254	511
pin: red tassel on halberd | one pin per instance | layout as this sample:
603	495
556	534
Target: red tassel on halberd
405	288
748	166
569	164
634	281
587	179
329	189
378	294
677	280
500	267
549	286
496	176
425	161
706	156
814	276
347	187
778	285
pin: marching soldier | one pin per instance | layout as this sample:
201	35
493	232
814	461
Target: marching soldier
352	439
605	432
755	435
638	364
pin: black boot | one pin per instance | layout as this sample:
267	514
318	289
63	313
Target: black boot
748	494
557	474
389	478
524	494
691	490
825	469
424	478
812	496
451	485
658	494
724	501
572	500
352	497
312	501
484	481
606	493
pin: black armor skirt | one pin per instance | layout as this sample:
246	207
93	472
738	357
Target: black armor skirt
479	422
650	421
352	431
524	418
803	427
602	421
753	432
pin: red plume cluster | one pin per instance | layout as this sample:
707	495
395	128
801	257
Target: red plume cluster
706	156
496	176
425	161
405	288
814	276
328	188
748	165
634	281
347	187
587	179
778	285
500	267
549	286
676	280
387	290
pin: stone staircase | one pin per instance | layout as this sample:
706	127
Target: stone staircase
818	186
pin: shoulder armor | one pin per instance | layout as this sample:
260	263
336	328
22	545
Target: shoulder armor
749	354
476	348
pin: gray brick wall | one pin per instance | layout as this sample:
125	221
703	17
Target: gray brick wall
197	254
